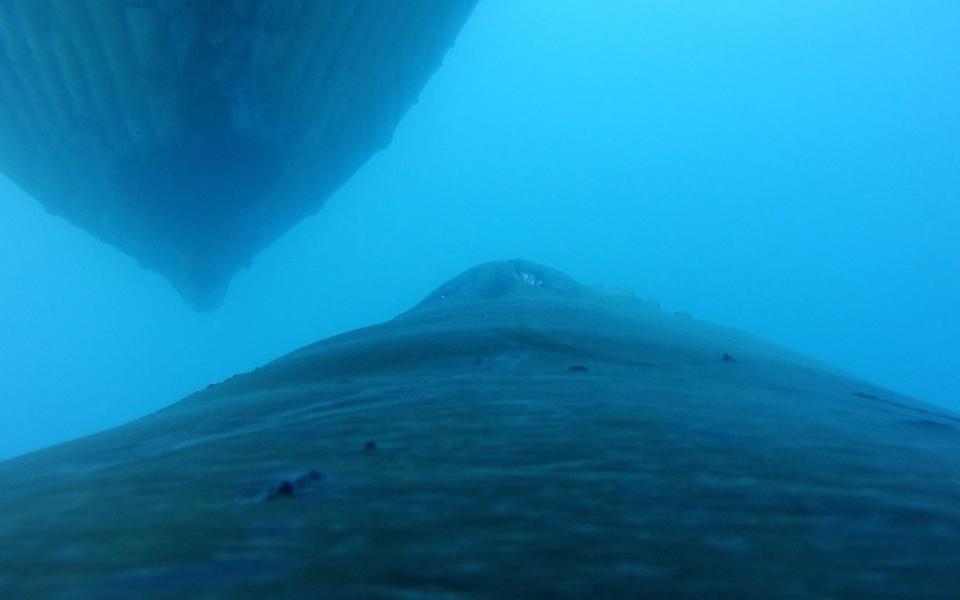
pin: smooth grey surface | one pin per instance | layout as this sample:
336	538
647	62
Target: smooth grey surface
518	434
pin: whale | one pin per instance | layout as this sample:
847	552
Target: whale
515	434
191	134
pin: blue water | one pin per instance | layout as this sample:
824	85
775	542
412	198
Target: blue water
791	169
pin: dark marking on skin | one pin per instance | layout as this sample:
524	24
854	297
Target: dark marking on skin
729	359
906	407
289	488
283	490
370	446
931	424
578	368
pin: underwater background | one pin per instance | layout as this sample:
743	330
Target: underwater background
790	169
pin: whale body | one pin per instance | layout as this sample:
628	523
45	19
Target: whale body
515	434
192	133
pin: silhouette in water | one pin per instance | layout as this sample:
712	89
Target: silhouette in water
190	135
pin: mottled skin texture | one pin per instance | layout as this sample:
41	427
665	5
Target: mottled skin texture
542	441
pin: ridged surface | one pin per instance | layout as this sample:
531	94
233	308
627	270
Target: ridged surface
190	133
527	438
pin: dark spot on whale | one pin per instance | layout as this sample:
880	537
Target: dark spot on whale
370	446
284	489
867	396
578	368
289	487
729	359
